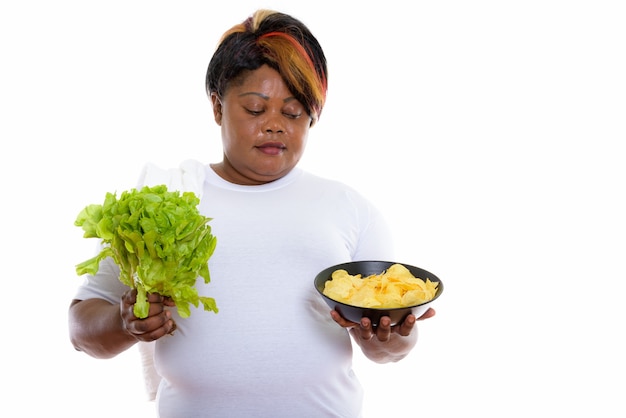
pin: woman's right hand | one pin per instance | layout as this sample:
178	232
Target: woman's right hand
158	323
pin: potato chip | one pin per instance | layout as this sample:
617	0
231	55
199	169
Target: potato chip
394	288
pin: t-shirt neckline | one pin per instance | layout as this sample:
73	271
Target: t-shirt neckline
214	179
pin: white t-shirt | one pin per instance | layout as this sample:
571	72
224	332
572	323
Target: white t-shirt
273	349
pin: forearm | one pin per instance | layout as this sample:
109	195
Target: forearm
96	328
394	349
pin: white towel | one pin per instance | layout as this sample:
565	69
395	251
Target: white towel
188	177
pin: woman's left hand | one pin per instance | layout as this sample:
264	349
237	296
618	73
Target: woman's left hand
365	331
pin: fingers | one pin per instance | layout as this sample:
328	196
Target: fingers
384	330
428	314
406	326
365	331
153	327
341	320
158	323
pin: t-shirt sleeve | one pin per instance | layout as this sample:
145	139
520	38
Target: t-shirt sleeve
105	284
375	238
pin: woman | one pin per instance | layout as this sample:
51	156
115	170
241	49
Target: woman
273	349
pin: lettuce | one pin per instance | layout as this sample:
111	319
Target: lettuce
158	239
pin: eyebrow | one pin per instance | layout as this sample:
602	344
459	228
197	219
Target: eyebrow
265	97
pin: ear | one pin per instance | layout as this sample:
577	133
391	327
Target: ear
217	108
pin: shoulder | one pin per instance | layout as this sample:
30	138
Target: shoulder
324	182
330	184
331	190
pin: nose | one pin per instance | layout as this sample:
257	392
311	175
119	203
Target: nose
273	123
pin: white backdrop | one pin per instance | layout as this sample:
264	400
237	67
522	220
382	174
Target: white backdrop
490	133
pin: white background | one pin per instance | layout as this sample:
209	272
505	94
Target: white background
491	133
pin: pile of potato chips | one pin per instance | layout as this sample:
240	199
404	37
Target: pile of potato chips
394	288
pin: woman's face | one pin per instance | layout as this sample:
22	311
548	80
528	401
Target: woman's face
264	128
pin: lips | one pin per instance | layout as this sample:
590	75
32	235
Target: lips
272	148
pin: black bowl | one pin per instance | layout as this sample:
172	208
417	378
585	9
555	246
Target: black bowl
367	268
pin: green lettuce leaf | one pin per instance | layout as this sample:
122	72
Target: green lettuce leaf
158	239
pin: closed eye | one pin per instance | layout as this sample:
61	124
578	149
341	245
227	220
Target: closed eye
254	112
